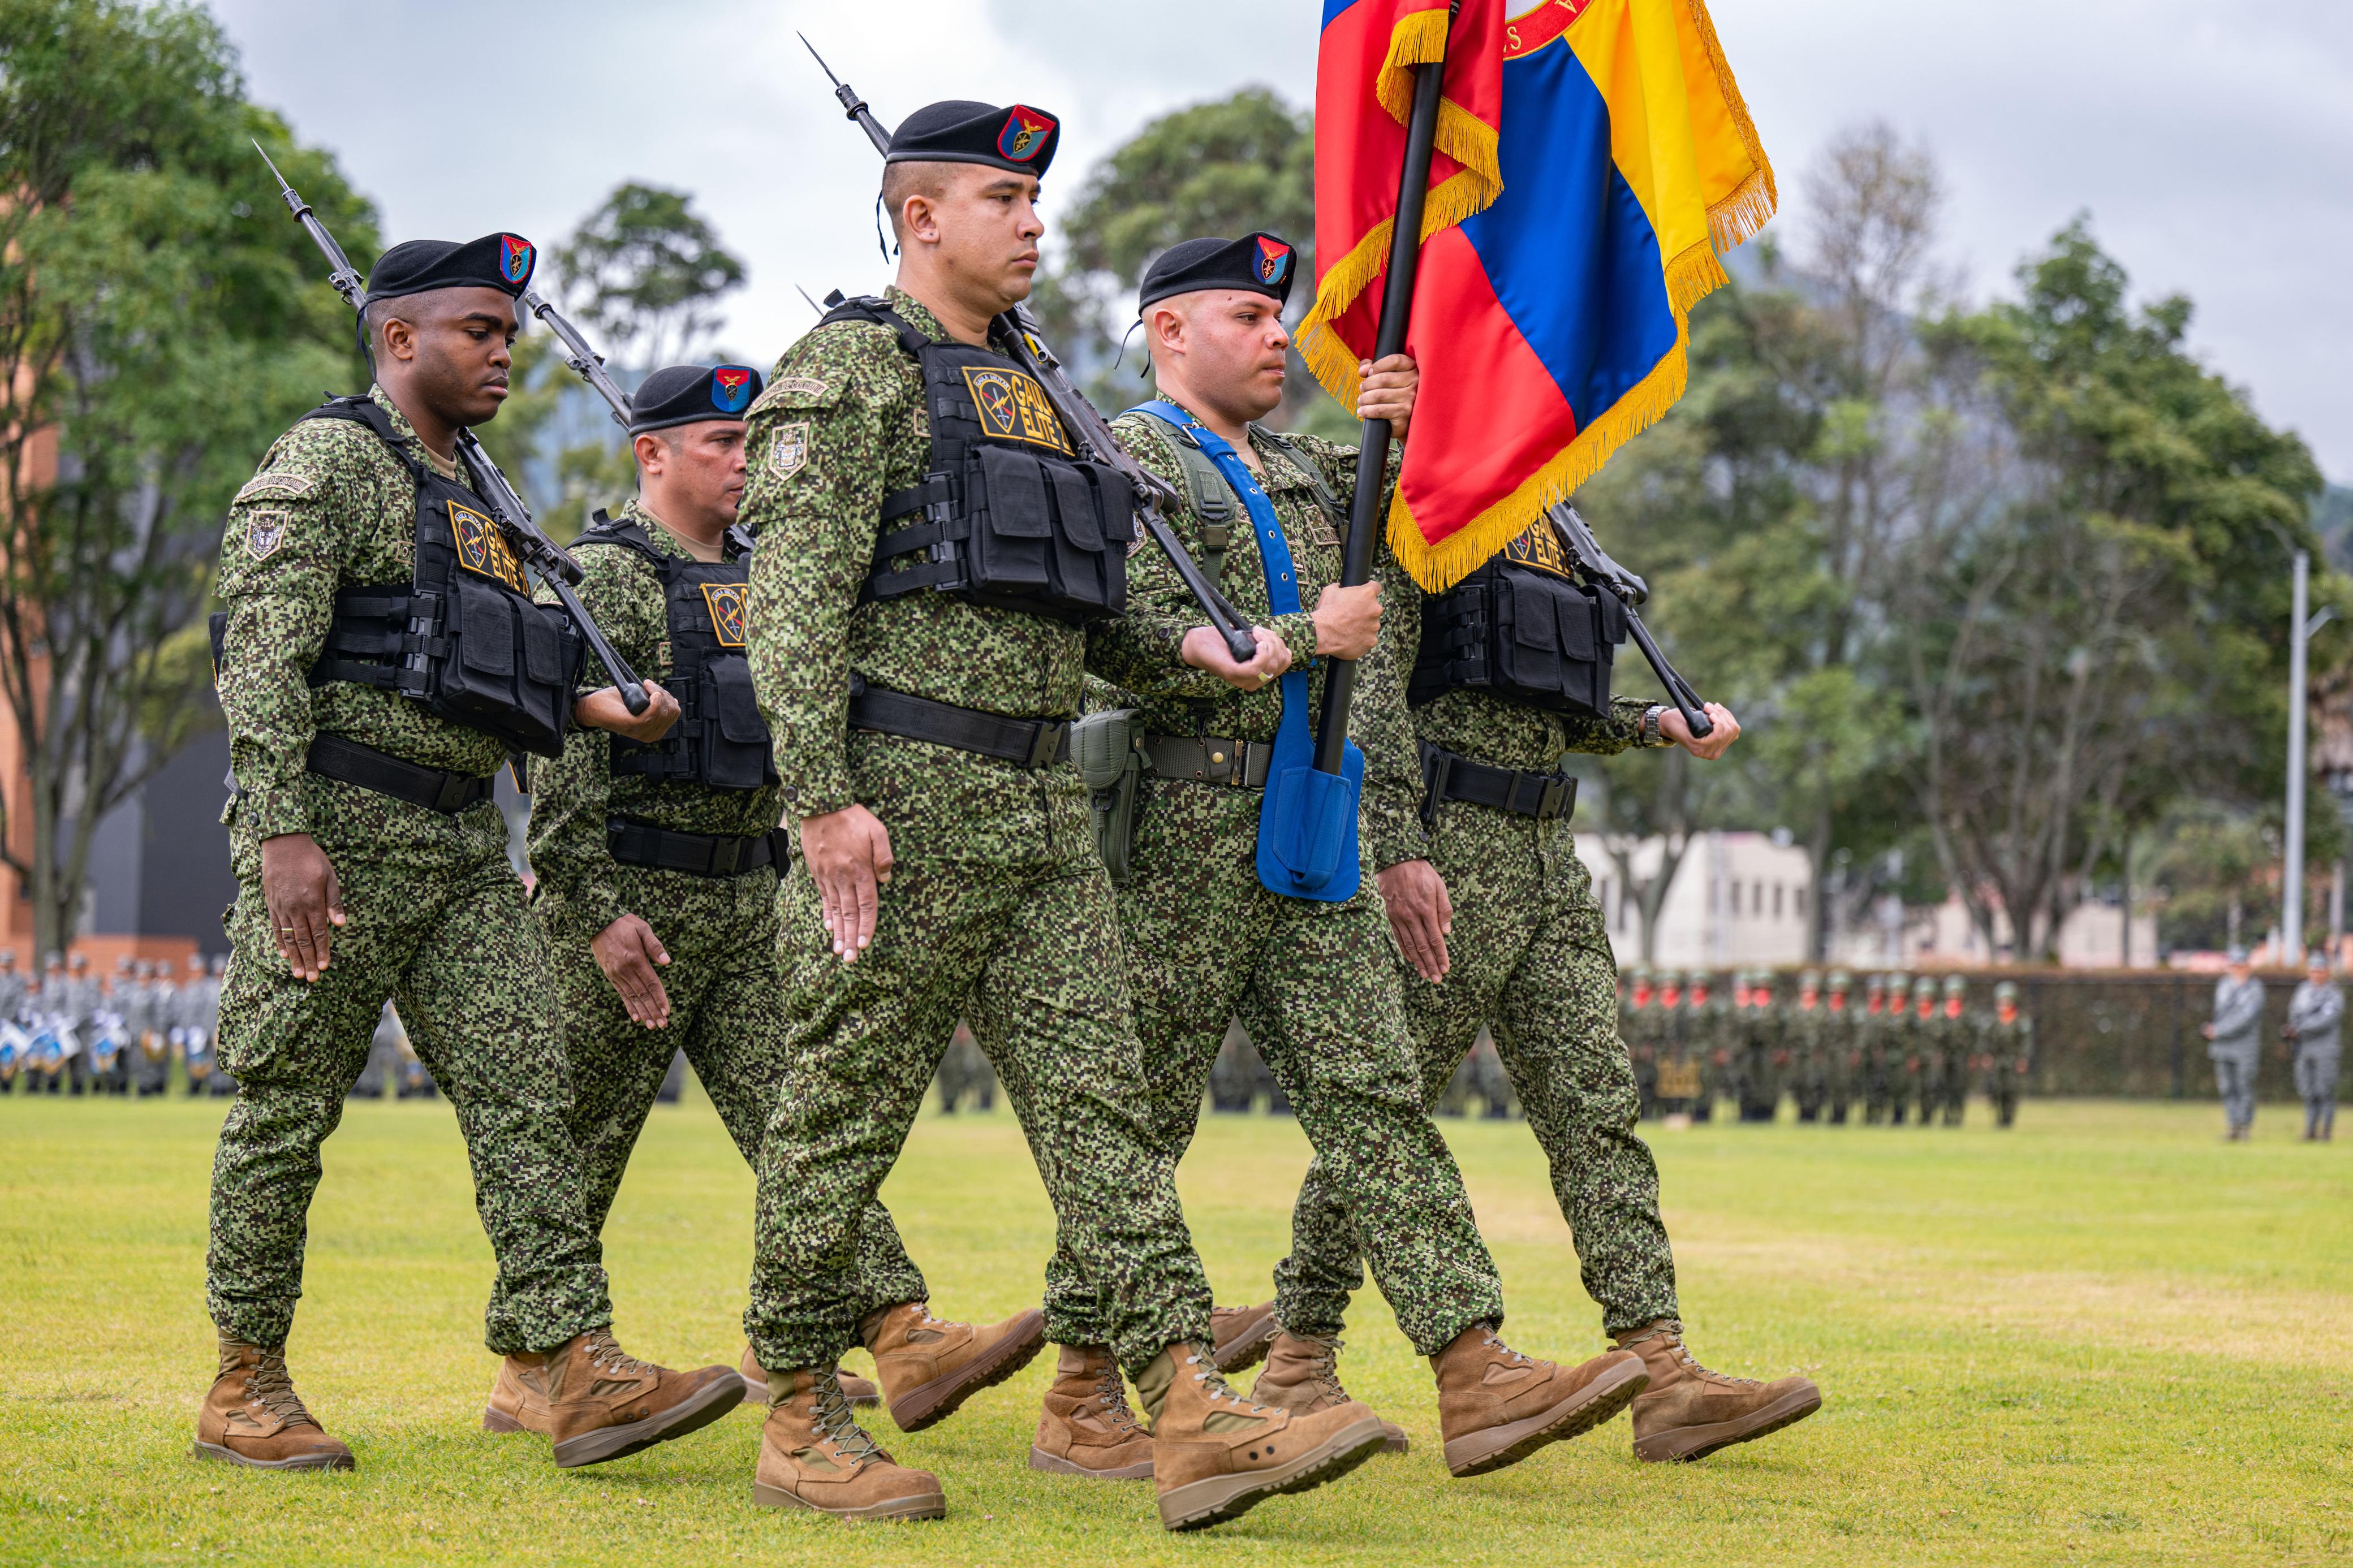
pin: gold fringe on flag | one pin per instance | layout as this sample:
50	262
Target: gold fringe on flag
1418	39
1735	218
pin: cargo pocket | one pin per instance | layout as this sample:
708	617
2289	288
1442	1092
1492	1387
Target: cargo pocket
1532	650
1012	523
737	739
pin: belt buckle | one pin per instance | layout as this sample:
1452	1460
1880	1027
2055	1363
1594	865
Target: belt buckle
725	856
1047	744
1551	806
451	797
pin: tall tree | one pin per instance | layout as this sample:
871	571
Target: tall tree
160	319
647	271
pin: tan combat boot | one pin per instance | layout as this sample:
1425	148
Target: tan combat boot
595	1402
253	1416
1084	1427
1214	1455
814	1455
859	1391
1690	1411
1496	1407
928	1367
1239	1335
1302	1375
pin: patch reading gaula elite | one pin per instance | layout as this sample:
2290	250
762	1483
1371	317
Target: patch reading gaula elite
481	549
1013	408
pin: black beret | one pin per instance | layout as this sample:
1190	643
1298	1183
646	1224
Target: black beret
1016	138
500	261
1260	262
690	393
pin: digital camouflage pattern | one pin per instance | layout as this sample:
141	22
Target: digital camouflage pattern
1314	984
998	912
1532	960
437	923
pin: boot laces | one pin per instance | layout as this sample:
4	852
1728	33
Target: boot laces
830	1417
271	1386
1214	1381
606	1355
1112	1390
1671	1331
1324	1370
1496	1342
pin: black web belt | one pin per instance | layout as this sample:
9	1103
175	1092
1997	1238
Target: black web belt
1210	759
1025	743
436	789
635	843
1446	775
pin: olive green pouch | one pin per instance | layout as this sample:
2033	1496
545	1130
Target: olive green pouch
1103	747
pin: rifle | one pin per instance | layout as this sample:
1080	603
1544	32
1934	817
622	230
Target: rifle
1015	335
1599	572
589	365
533	548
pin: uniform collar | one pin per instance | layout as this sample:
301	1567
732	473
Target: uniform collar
666	542
403	430
915	313
1275	471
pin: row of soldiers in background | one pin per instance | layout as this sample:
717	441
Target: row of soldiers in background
1912	1047
66	1031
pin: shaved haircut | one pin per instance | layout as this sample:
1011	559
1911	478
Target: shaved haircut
901	181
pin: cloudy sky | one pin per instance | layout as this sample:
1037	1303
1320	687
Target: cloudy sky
2211	144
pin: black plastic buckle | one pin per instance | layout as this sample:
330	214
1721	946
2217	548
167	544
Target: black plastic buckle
1046	747
457	793
724	854
1559	797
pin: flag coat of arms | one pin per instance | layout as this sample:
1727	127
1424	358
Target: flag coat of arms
1592	155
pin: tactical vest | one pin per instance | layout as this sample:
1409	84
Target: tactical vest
1522	627
462	635
720	739
1215	505
1007	515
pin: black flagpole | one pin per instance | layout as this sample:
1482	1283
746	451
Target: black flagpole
1373	450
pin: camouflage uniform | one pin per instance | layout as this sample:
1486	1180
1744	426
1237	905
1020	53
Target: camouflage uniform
437	920
1763	1031
998	912
723	978
2010	1051
1531	960
1314	984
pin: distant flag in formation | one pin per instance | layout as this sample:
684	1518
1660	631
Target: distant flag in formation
1593	154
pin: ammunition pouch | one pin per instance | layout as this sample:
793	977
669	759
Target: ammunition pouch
1104	747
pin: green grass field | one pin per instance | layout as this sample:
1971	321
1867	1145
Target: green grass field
2104	1338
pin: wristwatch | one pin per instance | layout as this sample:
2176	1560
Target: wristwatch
1651	717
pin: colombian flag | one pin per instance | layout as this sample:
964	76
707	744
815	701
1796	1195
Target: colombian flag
1592	157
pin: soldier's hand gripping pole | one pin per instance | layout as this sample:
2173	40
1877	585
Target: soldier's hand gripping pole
1600	570
531	546
1015	335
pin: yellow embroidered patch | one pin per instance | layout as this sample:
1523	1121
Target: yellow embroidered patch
1013	408
278	486
481	548
1540	547
729	607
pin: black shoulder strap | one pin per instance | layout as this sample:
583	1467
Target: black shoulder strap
1213	500
603	530
359	409
877	311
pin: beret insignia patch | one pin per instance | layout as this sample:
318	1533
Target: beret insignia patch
286	486
264	532
1273	260
516	257
1025	133
731	388
790	455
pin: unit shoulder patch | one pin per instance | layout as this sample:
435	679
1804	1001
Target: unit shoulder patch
790	453
277	485
264	532
801	388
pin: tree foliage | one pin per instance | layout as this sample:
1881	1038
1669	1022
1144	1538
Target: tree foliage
161	318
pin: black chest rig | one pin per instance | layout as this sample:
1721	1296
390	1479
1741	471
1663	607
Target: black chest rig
462	635
720	739
1522	627
1007	516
